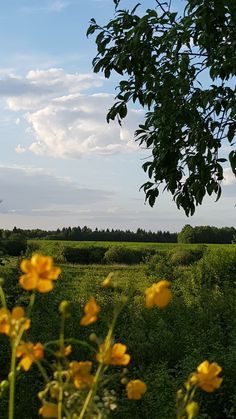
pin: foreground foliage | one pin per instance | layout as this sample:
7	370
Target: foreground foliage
83	388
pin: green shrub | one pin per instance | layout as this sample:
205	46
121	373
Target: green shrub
159	266
186	256
84	255
122	254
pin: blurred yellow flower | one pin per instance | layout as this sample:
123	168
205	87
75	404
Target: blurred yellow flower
91	309
107	281
64	352
39	273
206	376
81	373
135	389
158	294
12	323
29	353
49	410
114	355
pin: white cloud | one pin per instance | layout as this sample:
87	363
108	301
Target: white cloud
19	149
62	121
47	6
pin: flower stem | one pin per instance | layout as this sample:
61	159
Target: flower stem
31	303
12	378
92	391
2	298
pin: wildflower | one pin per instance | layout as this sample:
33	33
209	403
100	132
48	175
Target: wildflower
39	273
12	323
206	376
49	410
135	389
91	309
114	355
65	351
158	294
80	372
29	353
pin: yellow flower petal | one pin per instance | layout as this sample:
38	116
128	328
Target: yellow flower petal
206	376
28	282
158	294
44	285
135	389
18	313
26	362
49	411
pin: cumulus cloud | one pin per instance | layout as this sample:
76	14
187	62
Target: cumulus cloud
63	121
32	191
39	87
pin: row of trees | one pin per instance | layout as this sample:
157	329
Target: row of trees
87	234
207	234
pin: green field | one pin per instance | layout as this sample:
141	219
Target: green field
54	247
165	345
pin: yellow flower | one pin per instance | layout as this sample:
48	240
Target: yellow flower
80	372
49	410
64	352
107	281
135	389
114	355
91	309
29	353
39	273
206	376
12	323
158	294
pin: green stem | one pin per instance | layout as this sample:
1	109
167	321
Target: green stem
12	378
2	298
62	334
42	370
31	303
101	367
92	391
60	398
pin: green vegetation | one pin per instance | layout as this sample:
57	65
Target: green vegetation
165	345
179	66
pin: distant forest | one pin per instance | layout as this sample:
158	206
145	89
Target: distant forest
188	234
87	234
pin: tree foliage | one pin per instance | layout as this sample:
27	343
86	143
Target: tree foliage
181	68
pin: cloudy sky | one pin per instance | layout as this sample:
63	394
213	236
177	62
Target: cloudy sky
61	164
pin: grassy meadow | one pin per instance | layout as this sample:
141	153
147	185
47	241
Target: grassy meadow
165	345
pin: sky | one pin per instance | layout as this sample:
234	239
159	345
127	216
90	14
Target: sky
61	164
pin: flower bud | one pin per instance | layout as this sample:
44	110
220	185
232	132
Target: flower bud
124	380
65	308
93	337
4	385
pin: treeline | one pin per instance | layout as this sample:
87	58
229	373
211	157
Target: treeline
87	234
207	234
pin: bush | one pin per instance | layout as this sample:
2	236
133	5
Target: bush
159	266
84	255
15	246
186	256
217	267
121	254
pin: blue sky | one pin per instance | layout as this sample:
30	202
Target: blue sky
60	163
